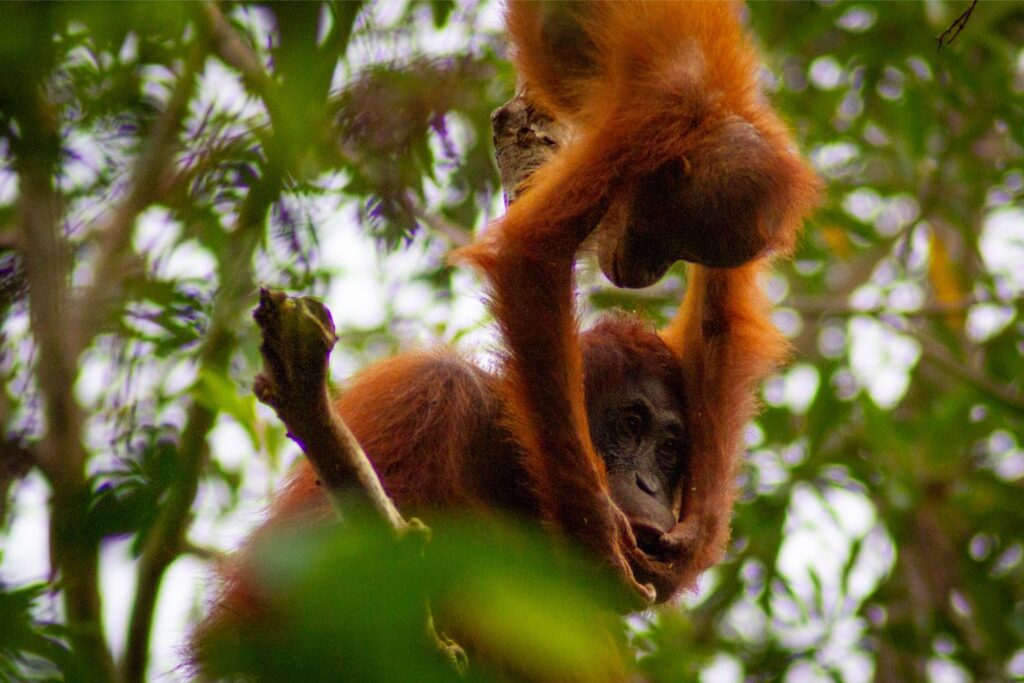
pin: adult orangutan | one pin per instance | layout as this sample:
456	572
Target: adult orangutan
620	438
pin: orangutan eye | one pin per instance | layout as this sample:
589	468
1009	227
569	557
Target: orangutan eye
629	424
669	454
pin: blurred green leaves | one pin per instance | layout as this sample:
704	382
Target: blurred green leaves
520	608
127	499
31	650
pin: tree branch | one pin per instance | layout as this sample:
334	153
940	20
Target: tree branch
235	52
524	139
62	453
202	552
937	354
166	541
951	33
456	234
298	335
932	350
839	306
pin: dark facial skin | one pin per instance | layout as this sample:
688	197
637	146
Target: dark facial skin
638	430
720	205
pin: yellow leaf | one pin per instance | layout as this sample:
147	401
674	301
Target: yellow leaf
835	239
945	281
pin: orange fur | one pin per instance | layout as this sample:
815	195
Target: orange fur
644	84
665	104
649	84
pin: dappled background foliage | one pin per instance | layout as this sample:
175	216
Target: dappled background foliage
162	160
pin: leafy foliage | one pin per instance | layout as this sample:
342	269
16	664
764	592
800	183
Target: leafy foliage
499	587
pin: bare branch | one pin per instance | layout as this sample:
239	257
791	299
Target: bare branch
951	33
235	52
937	354
524	139
456	234
298	335
62	454
1002	394
839	306
932	350
202	552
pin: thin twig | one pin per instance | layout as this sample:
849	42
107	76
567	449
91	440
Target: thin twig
951	33
456	234
204	553
823	307
937	354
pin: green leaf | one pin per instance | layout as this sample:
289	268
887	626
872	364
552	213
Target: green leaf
219	393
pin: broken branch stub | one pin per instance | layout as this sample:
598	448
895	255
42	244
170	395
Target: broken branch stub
298	336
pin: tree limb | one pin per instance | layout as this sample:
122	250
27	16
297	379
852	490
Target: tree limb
166	541
62	455
298	335
939	356
202	552
839	306
524	139
933	351
234	51
456	234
